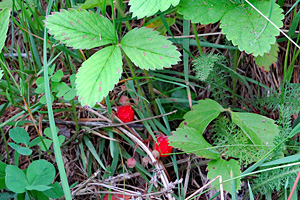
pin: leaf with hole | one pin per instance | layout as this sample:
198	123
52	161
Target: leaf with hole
149	50
223	168
143	8
245	27
259	129
191	141
98	75
81	29
202	114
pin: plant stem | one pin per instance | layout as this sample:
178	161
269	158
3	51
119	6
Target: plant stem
234	80
197	39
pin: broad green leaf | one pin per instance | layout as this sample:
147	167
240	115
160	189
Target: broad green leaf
48	133
40	172
94	3
55	192
4	20
149	50
21	150
57	76
47	144
259	129
190	140
19	135
2	175
80	29
98	75
15	179
265	61
243	25
38	187
63	88
143	8
205	11
224	168
202	114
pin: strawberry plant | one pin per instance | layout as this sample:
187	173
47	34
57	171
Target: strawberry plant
162	146
125	113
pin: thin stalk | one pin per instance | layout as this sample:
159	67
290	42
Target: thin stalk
121	11
186	45
197	39
56	146
150	88
6	146
75	116
234	80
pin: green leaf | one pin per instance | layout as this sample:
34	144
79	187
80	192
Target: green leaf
21	150
205	11
190	140
19	135
47	144
63	88
143	8
149	50
40	172
2	175
4	20
202	114
55	192
38	187
15	179
243	25
57	76
94	3
159	26
48	133
81	29
98	75
224	168
1	74
265	61
259	129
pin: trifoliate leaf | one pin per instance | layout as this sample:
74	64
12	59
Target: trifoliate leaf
205	11
224	168
143	8
244	25
259	129
80	29
265	61
4	20
98	75
148	50
202	114
190	140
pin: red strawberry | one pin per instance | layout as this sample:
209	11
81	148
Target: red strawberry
131	163
125	113
163	146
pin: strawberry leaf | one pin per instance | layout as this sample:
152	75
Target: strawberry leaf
80	29
224	168
265	61
246	27
149	50
143	8
204	11
98	75
259	129
190	140
202	114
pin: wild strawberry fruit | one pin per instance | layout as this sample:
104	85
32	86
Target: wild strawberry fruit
131	163
163	146
125	113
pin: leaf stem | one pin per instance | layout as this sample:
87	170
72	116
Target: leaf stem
197	39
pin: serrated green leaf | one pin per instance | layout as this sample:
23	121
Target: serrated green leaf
19	135
259	129
98	75
222	167
143	8
202	114
81	29
190	140
149	50
243	25
4	20
205	11
21	150
15	179
94	3
265	61
40	172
